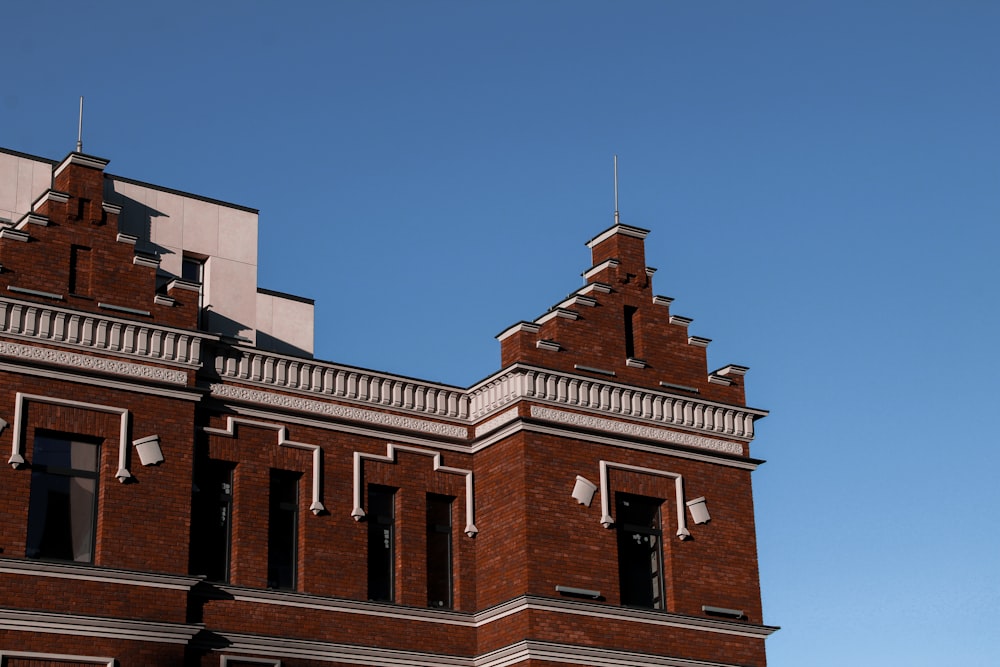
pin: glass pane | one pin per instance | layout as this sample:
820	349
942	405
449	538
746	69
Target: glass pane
51	451
640	556
281	532
61	517
439	551
380	543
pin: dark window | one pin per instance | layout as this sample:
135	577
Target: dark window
193	271
282	529
439	551
630	312
211	524
79	270
62	509
381	535
640	554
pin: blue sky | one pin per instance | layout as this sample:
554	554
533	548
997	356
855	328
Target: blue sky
820	178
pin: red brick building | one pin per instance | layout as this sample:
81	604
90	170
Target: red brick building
189	486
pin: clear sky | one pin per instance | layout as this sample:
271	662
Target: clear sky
821	182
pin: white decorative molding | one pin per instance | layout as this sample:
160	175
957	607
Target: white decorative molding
597	268
578	299
97	626
527	327
390	457
87	362
317	453
35	292
698	341
564	313
147	261
54	196
105	382
680	320
20	406
636	430
338	411
383	393
624	230
487	426
73	571
123	309
608	521
632	362
130	239
549	345
519	605
732	369
718	379
102	333
662	300
83	160
55	657
236	660
600	288
14	234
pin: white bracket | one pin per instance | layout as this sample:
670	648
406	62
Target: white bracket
230	431
608	521
358	513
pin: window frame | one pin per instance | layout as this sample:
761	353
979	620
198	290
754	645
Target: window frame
45	471
440	567
283	528
646	592
381	513
208	472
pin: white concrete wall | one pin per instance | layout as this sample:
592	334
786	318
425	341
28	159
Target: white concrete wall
172	224
22	181
284	325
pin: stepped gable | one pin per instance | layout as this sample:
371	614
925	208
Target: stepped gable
88	264
616	328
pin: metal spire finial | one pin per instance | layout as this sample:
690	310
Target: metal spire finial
79	129
616	189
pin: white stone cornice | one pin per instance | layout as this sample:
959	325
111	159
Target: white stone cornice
527	327
81	159
597	268
89	362
519	605
624	230
180	393
637	430
95	626
34	568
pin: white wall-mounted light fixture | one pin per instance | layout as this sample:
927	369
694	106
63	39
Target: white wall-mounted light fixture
699	510
583	490
149	450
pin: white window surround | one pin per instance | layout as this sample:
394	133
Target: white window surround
17	447
358	513
4	654
236	660
317	453
608	521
